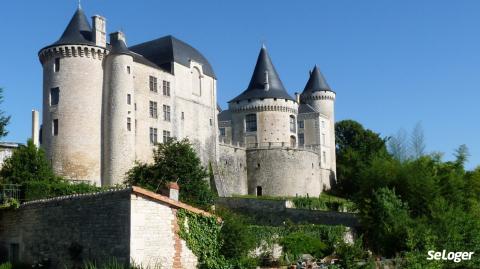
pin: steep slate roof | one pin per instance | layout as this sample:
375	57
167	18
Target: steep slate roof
305	108
78	31
168	49
256	88
316	82
225	115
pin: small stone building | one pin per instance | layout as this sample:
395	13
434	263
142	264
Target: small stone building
128	225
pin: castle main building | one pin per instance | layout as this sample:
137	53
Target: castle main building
106	105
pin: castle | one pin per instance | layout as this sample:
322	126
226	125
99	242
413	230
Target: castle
106	105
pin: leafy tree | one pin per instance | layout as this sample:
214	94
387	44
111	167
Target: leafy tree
356	148
27	163
175	161
397	145
4	120
417	142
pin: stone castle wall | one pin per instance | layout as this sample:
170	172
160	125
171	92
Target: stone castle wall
284	172
231	170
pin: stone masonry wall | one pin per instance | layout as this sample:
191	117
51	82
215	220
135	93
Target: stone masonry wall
69	230
231	171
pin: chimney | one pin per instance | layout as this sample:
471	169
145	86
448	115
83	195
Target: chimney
173	189
99	31
297	97
35	129
117	36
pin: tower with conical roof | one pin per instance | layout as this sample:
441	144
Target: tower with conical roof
264	113
318	95
72	98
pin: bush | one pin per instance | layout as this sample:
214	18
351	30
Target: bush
298	243
34	190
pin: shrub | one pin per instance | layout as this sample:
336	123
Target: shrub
298	243
34	190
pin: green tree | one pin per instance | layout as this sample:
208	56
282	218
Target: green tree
4	120
175	161
356	148
27	163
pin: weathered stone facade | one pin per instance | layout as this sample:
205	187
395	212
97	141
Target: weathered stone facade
128	225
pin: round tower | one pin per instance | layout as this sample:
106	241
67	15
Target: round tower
264	114
321	97
72	99
119	113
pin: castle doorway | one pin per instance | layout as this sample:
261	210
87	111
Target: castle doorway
259	190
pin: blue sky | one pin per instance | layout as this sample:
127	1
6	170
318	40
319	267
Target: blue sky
392	63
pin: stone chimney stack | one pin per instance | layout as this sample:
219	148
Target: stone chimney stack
173	189
35	129
297	97
117	36
99	31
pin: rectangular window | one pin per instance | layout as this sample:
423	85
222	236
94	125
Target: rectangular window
129	99
56	65
128	69
129	124
166	88
153	135
222	131
323	139
153	110
183	115
293	128
54	96
251	123
211	122
153	84
301	139
324	157
301	124
166	112
323	124
166	136
55	127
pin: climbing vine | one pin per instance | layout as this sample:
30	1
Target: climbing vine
201	233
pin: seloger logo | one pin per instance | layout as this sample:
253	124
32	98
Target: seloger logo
455	256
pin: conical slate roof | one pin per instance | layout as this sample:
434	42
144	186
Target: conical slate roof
78	31
264	71
118	46
316	82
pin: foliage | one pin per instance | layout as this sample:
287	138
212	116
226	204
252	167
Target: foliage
237	239
4	120
175	161
6	265
10	203
202	235
351	254
324	202
27	163
356	148
34	190
298	243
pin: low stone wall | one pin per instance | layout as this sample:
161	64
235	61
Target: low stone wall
68	230
276	212
125	225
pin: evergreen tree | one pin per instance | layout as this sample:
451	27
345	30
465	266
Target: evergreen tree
4	120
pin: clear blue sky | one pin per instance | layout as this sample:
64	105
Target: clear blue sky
392	63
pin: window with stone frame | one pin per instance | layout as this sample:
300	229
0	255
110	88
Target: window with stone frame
251	123
55	127
153	135
153	84
153	109
301	139
301	124
293	127
166	113
166	136
56	65
166	88
54	96
222	131
129	99
129	124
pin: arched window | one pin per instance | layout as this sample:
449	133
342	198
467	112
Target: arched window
293	127
293	141
251	123
196	82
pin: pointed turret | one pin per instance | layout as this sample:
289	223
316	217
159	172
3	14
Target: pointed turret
316	82
78	31
265	82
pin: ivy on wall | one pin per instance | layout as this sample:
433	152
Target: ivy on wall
201	233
